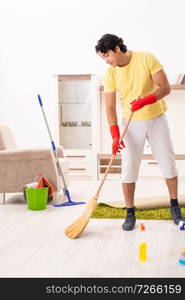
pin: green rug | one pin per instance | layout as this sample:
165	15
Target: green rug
104	211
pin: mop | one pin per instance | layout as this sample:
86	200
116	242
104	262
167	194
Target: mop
59	196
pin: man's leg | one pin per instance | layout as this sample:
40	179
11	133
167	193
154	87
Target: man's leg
172	184
131	158
128	191
159	138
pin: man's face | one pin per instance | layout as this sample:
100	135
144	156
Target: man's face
110	57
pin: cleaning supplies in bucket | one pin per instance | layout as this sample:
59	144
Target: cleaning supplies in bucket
38	192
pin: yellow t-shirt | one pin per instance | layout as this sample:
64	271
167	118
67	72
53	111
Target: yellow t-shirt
135	80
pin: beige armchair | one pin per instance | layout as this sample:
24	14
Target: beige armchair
18	167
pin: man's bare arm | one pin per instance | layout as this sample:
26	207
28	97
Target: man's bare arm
110	102
161	80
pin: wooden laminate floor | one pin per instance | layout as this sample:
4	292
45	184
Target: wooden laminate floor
33	243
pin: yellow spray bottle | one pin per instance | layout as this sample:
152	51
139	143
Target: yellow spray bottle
142	245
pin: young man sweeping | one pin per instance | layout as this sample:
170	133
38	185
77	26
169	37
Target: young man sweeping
138	74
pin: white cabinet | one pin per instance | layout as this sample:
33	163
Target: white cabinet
102	164
78	121
80	162
149	168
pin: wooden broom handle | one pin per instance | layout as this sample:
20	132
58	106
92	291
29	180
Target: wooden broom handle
113	156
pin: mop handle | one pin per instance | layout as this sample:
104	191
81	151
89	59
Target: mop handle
41	105
52	143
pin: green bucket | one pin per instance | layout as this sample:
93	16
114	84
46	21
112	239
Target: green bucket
37	198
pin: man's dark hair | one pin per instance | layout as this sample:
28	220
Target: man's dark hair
109	42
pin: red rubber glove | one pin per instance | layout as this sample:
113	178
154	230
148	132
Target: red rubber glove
116	146
137	104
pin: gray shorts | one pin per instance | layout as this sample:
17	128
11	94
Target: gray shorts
156	131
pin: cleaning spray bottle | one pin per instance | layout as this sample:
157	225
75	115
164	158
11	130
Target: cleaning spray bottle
142	244
182	225
182	257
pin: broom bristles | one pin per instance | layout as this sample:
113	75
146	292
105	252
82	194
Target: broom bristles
79	225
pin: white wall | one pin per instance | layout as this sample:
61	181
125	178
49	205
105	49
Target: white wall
42	38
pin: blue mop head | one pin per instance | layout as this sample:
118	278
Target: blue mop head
68	204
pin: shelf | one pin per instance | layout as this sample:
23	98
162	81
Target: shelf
103	160
85	102
145	156
177	86
74	77
173	87
76	124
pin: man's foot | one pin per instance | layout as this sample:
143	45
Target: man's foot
176	214
129	222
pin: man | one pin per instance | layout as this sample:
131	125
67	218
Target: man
142	83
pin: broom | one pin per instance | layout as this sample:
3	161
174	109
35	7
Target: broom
79	225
